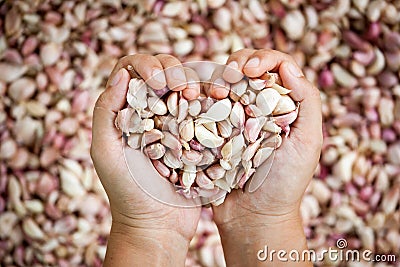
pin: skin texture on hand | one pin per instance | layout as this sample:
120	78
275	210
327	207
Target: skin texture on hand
276	203
246	221
137	217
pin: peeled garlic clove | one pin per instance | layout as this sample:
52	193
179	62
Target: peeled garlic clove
253	111
273	141
173	127
237	116
172	104
186	130
248	98
271	127
237	144
211	126
285	105
247	164
267	100
135	140
207	138
280	89
215	172
170	141
219	111
257	84
225	164
161	168
194	108
208	158
239	175
137	94
191	157
189	175
224	128
183	110
157	106
146	114
230	176
237	90
154	151
172	161
147	124
253	127
151	136
203	181
249	152
226	150
221	183
262	155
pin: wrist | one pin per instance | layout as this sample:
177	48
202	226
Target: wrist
133	246
249	243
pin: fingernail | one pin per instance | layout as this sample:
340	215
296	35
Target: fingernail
158	76
192	84
295	71
178	74
115	80
219	82
233	65
253	63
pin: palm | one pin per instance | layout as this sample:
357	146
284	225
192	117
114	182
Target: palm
283	187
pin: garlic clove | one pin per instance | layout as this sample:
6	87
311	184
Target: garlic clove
207	138
267	100
219	111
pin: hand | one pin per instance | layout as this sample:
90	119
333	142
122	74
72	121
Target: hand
140	222
272	211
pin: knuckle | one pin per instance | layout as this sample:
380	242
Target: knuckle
168	59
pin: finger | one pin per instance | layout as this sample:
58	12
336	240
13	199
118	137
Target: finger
234	65
262	61
174	72
308	125
218	87
107	105
192	90
148	68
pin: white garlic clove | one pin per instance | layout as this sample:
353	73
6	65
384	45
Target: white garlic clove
267	100
219	111
207	138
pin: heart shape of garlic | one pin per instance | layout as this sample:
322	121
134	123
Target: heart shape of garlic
205	146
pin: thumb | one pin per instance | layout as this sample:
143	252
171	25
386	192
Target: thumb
307	129
108	104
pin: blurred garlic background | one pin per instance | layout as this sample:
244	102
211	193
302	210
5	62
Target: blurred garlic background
55	59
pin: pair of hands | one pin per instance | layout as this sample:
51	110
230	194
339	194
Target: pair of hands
143	227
